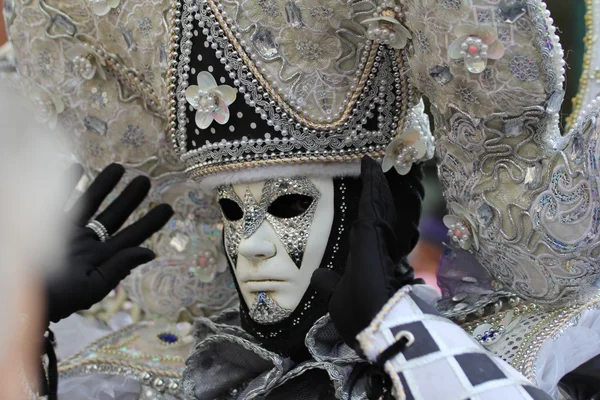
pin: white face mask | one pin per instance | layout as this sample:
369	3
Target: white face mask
276	233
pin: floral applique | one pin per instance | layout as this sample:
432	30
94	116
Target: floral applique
476	45
270	13
462	230
321	15
210	101
309	51
404	151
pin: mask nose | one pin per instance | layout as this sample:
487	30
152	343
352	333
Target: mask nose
255	249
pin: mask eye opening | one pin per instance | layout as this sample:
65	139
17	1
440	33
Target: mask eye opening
231	210
290	205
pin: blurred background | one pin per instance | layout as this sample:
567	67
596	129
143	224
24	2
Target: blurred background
569	17
2	30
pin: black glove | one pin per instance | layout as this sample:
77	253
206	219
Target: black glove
376	266
94	268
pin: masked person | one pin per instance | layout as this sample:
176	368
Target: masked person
273	105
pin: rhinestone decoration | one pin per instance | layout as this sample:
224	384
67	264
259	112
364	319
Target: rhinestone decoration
511	10
293	232
123	353
441	74
487	334
266	311
168	337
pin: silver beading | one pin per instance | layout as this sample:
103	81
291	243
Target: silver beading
264	310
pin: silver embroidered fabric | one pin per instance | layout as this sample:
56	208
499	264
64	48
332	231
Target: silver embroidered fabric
227	361
528	193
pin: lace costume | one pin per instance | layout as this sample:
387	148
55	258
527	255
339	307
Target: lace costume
271	90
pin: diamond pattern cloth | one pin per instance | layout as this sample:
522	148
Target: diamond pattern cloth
444	361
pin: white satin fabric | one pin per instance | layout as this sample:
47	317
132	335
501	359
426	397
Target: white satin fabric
578	344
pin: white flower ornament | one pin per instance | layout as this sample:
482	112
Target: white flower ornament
47	107
461	227
210	101
476	44
85	62
404	151
385	28
103	7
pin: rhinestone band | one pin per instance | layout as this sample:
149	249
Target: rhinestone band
99	230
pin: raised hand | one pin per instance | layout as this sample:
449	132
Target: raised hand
98	255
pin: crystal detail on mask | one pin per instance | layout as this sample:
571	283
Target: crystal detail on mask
266	311
293	232
253	217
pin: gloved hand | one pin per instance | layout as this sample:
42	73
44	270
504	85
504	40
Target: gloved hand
93	268
376	267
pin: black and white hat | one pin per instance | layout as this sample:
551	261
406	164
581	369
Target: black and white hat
286	88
